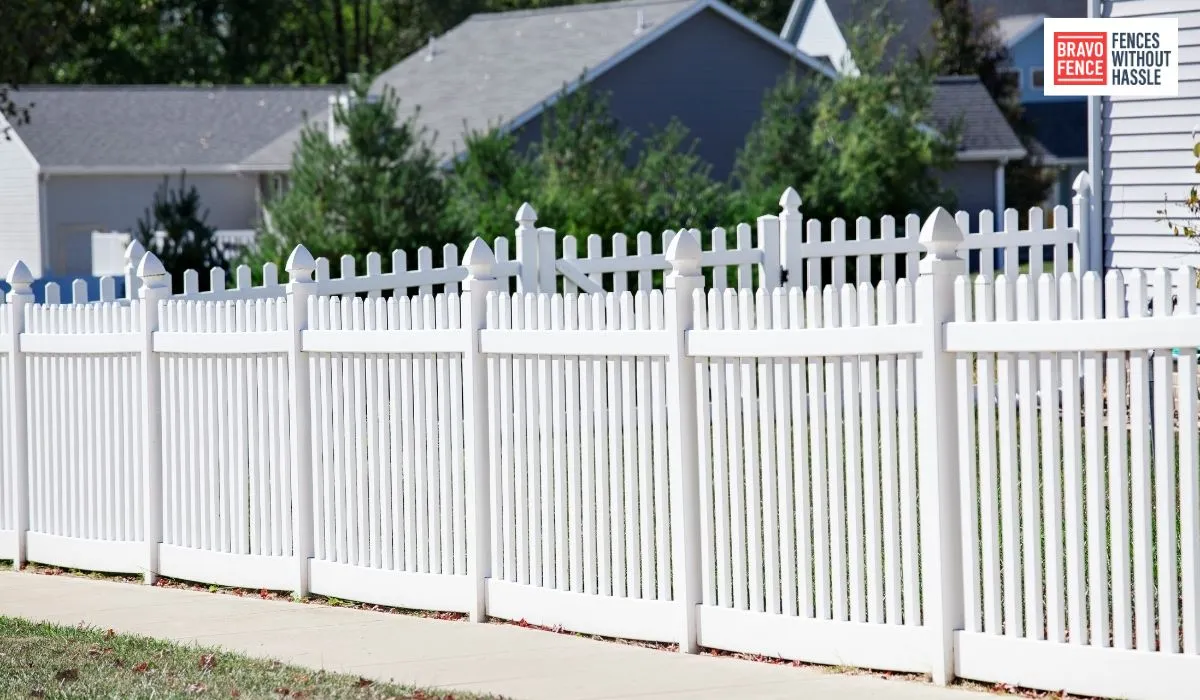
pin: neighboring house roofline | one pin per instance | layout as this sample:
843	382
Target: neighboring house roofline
796	19
1033	26
9	130
656	34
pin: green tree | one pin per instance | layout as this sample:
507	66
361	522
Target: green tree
968	43
31	34
377	190
587	174
187	242
856	146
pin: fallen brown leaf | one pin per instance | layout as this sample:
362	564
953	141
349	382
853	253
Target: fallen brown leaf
364	682
141	667
207	662
67	674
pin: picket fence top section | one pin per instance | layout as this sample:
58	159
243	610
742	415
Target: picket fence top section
780	250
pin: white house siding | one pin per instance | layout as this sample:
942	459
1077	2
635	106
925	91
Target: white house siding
20	216
76	205
1147	151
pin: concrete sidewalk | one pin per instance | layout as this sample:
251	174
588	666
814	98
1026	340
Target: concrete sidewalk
503	659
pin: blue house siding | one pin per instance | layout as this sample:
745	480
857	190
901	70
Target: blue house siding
660	82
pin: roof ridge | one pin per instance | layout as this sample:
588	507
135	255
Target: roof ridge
560	9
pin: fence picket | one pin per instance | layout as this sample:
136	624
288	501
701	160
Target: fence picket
1140	466
1165	475
752	476
1009	494
1189	478
720	452
1118	470
1076	583
1030	481
969	411
906	371
819	456
767	438
1052	392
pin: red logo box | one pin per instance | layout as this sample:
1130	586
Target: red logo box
1080	58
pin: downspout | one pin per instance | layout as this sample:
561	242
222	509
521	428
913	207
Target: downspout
44	232
999	206
1096	171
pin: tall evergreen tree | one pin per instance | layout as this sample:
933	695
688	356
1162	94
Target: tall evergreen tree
187	241
968	43
378	189
857	146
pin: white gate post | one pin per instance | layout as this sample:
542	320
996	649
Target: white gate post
479	261
937	443
547	259
791	223
770	271
21	281
1081	217
300	267
685	278
155	287
527	248
133	255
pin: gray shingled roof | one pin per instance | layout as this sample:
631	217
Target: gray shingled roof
161	126
984	127
492	68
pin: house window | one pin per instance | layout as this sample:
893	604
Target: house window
1038	78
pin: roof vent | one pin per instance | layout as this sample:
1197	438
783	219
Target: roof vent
641	22
431	49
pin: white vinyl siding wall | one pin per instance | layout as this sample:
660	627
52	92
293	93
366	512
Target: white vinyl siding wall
1147	151
20	208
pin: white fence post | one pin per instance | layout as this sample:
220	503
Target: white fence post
685	278
527	248
300	268
1081	217
21	293
768	242
133	255
937	443
546	258
479	261
791	223
154	288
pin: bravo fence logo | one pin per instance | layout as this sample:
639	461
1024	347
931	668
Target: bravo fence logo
1112	57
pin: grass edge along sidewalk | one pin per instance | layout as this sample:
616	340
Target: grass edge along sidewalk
42	660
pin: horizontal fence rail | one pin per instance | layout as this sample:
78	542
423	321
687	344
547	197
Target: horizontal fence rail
958	473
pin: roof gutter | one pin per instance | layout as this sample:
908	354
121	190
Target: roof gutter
1005	154
67	170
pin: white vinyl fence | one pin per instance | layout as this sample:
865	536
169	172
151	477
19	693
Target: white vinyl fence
861	475
785	250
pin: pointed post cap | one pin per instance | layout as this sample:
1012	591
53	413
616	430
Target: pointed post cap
1083	182
941	235
479	260
20	279
526	215
790	201
134	252
300	264
683	253
152	272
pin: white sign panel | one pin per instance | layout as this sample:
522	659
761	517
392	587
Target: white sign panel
1112	57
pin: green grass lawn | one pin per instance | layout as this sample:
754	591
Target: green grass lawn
49	661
